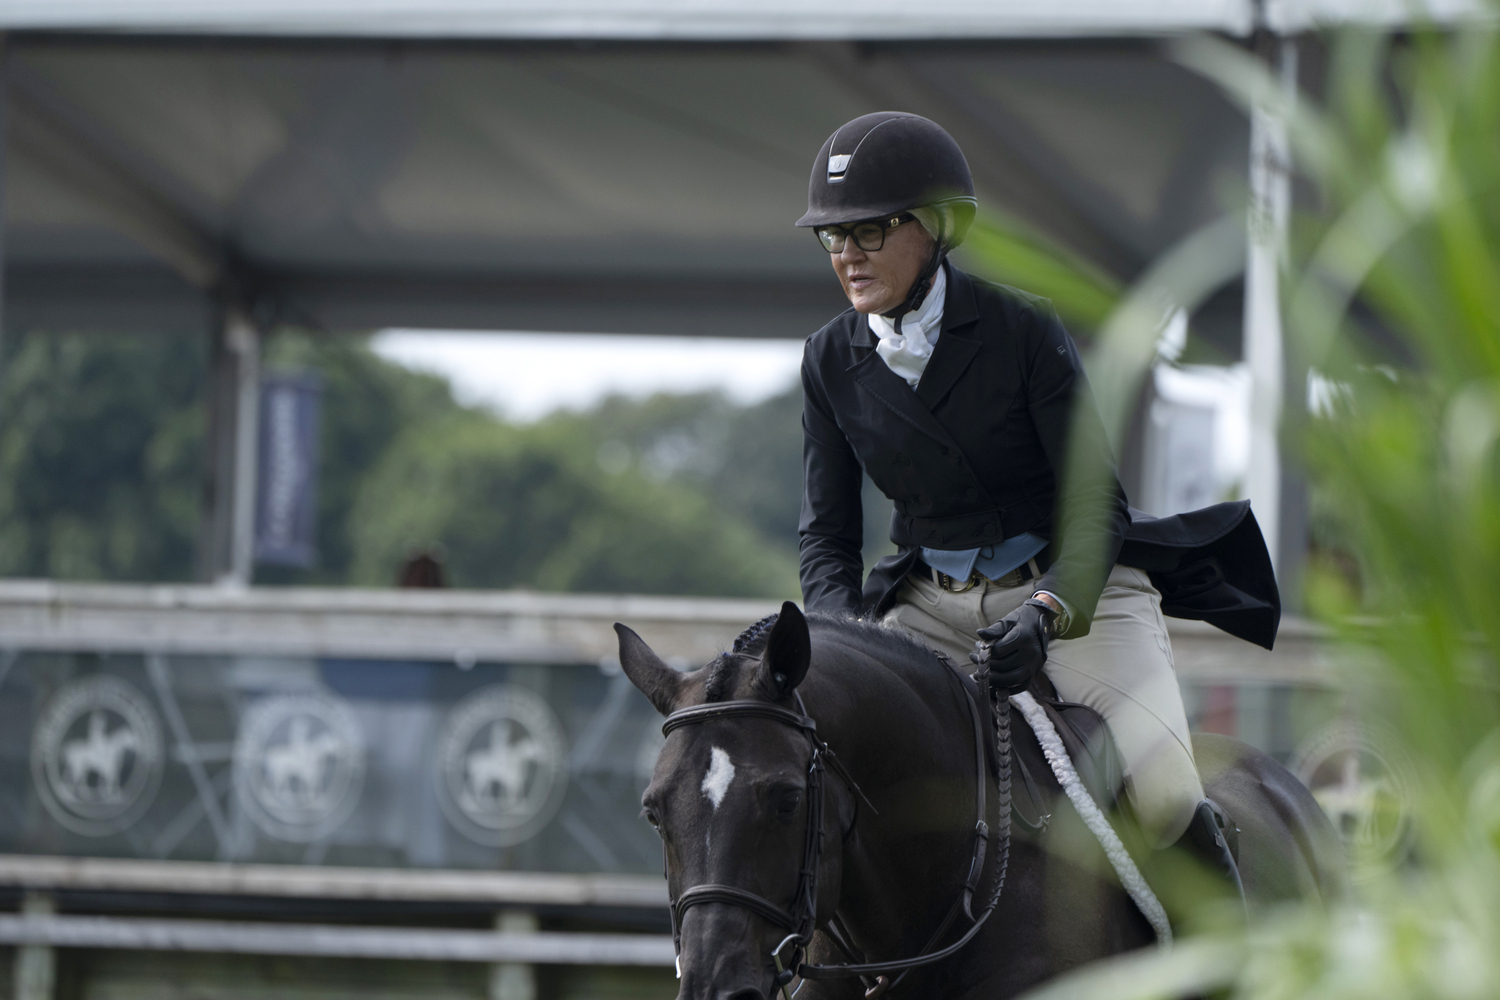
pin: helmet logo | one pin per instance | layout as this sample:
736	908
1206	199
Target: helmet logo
838	166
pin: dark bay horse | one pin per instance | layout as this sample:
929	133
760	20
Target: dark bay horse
731	798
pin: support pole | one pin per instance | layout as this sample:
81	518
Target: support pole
1270	207
227	538
36	964
4	163
244	340
514	980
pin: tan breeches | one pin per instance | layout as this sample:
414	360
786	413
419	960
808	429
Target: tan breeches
1122	669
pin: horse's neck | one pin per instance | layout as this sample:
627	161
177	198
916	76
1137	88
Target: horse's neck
906	737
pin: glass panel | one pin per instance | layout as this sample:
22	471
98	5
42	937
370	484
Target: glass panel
342	762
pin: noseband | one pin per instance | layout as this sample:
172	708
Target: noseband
802	919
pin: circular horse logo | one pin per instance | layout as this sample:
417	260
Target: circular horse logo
96	755
1367	789
299	761
501	759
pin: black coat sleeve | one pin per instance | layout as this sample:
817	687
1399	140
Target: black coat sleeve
831	530
1092	515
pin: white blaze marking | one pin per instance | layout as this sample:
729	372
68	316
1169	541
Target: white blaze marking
720	774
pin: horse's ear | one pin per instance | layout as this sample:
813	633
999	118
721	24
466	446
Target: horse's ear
658	682
788	653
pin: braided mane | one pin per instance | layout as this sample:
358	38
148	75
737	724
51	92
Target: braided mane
722	672
743	641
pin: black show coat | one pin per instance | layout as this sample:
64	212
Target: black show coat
974	455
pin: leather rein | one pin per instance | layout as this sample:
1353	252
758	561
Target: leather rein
800	920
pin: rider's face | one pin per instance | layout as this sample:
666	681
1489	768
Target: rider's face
878	281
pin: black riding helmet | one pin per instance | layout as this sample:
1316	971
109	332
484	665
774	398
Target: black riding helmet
890	162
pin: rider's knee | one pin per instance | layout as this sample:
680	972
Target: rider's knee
1165	791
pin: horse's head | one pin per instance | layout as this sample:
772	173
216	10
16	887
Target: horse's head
731	800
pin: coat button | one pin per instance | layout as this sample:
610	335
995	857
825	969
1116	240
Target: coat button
989	531
971	494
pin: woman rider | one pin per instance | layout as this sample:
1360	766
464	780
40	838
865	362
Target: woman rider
957	397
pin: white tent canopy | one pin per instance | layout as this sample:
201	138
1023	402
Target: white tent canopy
634	187
703	20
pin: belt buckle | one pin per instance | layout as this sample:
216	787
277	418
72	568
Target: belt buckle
947	583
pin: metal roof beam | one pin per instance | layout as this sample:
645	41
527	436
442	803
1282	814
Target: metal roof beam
86	158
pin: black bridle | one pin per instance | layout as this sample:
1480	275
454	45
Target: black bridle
801	920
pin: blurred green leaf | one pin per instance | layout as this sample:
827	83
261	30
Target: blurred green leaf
1000	249
1392	291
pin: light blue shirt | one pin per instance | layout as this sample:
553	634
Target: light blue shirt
994	561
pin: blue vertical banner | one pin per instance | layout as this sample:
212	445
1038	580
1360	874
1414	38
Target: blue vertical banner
286	503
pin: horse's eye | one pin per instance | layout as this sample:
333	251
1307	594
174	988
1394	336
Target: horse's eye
787	803
651	817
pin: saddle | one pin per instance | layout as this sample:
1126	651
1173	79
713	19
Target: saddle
1090	746
1089	743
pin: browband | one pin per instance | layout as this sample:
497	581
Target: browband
736	709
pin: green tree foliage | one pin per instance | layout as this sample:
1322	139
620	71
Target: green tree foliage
367	403
102	443
101	448
532	507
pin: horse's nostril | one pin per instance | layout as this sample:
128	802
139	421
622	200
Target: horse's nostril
745	995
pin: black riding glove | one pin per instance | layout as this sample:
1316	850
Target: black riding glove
1015	647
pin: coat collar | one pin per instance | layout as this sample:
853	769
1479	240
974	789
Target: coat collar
959	310
950	358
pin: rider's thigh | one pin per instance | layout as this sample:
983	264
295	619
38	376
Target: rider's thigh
943	620
1123	670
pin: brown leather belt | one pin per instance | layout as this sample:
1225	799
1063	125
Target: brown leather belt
1026	571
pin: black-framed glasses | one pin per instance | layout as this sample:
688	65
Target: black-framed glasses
868	235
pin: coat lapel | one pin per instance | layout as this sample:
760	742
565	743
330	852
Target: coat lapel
956	347
891	389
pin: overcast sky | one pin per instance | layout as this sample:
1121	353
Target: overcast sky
528	375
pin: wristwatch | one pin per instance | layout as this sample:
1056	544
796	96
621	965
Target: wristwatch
1060	617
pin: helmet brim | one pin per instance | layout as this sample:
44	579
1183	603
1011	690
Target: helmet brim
845	215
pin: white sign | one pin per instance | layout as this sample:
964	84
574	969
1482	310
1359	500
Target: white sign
502	765
299	762
96	755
